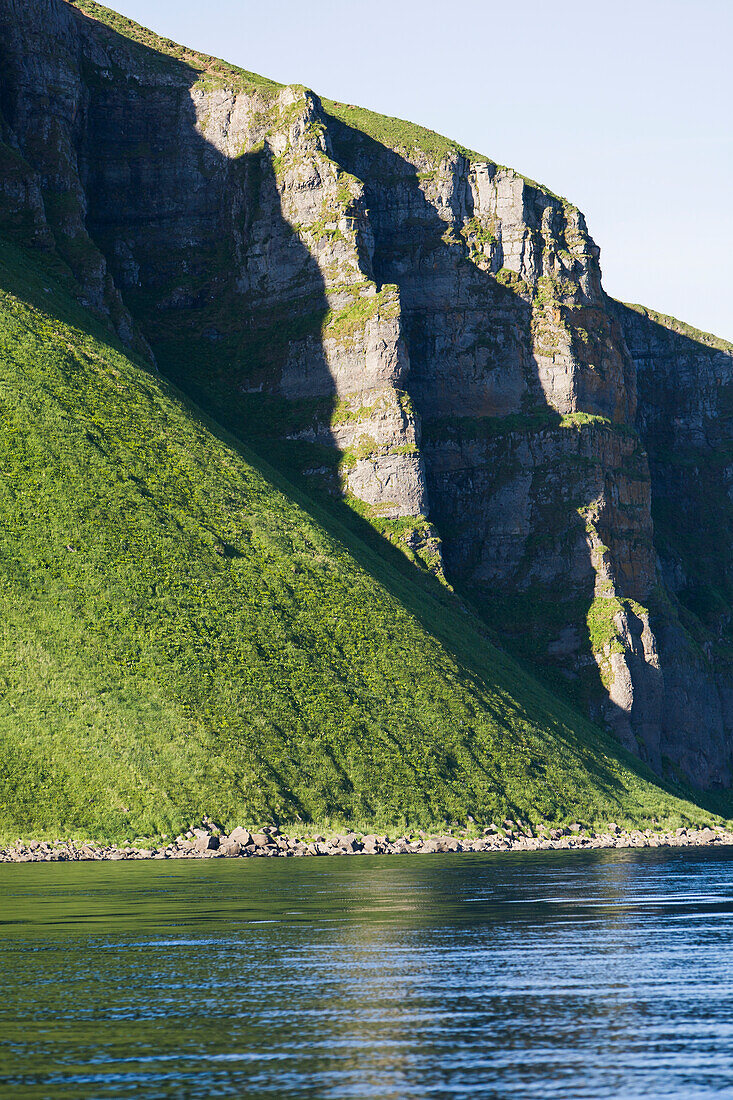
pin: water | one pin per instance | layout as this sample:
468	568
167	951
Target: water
543	975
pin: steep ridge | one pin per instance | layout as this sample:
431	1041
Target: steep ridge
400	322
182	634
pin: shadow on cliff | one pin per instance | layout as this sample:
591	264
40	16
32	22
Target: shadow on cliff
424	254
222	288
214	275
688	450
471	406
685	420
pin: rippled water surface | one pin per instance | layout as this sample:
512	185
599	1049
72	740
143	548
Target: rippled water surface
542	975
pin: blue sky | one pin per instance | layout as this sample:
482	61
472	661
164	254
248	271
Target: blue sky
624	108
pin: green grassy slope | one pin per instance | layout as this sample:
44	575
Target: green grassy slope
397	133
181	634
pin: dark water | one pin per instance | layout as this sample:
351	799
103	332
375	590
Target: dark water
542	975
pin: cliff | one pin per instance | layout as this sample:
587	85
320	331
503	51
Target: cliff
401	324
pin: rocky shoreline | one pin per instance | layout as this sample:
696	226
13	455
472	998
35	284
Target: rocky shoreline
210	842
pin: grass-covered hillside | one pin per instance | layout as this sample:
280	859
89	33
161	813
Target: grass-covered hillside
180	634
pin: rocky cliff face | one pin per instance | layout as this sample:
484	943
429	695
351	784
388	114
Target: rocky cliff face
685	418
408	326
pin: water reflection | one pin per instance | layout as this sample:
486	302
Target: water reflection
546	974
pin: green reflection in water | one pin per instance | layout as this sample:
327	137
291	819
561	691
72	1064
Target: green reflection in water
549	974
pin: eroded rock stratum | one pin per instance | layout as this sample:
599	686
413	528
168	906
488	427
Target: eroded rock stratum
412	328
